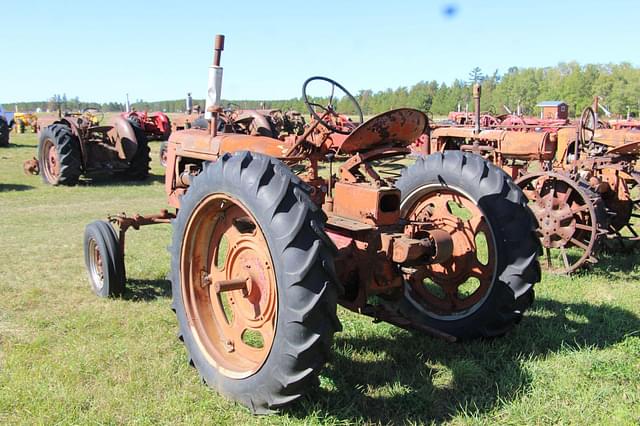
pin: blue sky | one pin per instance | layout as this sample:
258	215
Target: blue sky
161	49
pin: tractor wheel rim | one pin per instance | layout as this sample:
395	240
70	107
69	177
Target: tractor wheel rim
457	287
51	166
95	265
566	220
234	327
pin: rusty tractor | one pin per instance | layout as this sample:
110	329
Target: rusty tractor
76	145
273	123
578	179
607	158
156	125
270	234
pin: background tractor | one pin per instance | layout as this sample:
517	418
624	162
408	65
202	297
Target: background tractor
6	122
156	125
77	145
579	178
24	120
269	234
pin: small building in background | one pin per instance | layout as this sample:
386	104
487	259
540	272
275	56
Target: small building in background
554	110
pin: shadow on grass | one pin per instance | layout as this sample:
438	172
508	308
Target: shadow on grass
121	180
618	261
414	378
146	290
6	187
18	145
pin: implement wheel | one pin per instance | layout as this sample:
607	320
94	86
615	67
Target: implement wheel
571	219
103	259
484	287
252	281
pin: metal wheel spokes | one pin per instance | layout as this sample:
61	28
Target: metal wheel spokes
454	288
51	166
567	224
229	286
622	201
95	265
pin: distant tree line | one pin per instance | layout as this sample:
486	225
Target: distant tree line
617	84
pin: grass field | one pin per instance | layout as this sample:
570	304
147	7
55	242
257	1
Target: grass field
67	357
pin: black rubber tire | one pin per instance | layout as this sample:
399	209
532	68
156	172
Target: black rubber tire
517	247
303	262
139	165
4	132
134	120
103	235
68	149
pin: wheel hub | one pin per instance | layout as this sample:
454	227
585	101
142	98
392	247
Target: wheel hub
556	223
229	286
465	278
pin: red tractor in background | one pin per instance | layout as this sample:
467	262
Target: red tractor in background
156	125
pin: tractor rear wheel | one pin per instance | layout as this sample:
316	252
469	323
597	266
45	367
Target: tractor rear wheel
252	284
4	132
59	155
139	165
487	284
103	259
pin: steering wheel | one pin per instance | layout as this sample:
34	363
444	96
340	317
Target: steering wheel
330	118
587	125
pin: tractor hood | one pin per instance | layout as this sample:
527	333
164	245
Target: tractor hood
200	141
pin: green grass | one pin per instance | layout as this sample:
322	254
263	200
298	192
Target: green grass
67	357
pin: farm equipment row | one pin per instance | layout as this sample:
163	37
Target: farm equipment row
266	242
579	179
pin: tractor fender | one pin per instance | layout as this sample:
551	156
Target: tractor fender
261	125
124	138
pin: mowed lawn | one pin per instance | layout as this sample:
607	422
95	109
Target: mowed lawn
67	357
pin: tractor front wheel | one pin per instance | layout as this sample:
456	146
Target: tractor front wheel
163	154
487	283
103	259
252	283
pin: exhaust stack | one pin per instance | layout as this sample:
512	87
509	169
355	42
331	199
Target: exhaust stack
477	89
189	104
214	87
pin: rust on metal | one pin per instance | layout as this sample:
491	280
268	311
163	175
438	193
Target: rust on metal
402	126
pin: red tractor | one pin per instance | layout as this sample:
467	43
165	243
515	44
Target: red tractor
269	235
156	126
